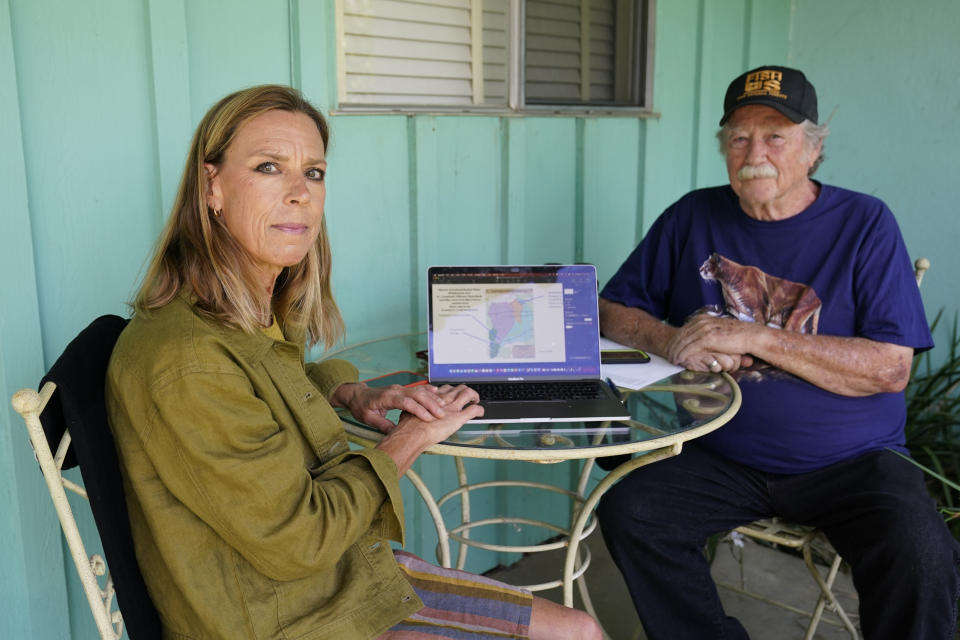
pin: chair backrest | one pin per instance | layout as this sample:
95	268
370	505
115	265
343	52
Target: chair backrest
69	416
920	267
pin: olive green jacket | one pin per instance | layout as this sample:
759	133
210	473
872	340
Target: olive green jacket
250	516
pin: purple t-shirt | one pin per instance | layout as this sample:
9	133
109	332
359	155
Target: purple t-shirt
838	268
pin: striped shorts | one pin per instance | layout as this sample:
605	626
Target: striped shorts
460	605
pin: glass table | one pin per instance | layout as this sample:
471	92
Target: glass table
664	415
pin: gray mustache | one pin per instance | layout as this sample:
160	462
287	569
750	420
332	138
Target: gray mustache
749	172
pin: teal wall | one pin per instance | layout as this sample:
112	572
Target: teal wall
99	99
32	587
888	71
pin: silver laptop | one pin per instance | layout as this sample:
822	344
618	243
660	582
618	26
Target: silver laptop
526	338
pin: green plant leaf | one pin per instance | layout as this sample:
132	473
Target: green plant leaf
933	473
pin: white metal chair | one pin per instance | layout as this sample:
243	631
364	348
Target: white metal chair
802	538
70	410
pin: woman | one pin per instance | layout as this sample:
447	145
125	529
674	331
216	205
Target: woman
251	517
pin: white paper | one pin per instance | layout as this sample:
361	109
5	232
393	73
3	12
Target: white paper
635	376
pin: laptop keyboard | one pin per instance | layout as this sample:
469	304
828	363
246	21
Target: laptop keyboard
538	391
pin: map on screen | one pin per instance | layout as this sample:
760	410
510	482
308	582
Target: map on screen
505	322
475	322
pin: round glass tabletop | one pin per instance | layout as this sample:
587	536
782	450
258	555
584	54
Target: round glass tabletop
680	407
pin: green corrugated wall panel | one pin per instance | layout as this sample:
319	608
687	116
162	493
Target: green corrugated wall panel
767	32
886	71
457	160
513	174
457	194
87	134
33	591
722	52
550	182
235	44
313	43
611	191
669	138
173	122
369	220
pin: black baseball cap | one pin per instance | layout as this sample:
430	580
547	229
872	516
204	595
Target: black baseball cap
786	90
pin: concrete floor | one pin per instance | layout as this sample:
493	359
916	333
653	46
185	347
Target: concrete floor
776	574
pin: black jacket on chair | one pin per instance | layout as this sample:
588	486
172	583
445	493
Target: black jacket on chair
79	405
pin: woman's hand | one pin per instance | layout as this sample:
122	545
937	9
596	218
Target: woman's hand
460	405
412	435
370	404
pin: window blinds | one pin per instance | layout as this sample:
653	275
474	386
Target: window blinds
570	51
423	52
457	53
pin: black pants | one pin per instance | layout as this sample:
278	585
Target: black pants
874	509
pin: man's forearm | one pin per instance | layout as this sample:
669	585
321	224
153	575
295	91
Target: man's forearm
634	327
848	366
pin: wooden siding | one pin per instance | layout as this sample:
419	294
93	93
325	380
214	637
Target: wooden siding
99	100
103	99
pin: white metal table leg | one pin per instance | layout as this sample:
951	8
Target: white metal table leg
464	511
574	513
443	536
591	502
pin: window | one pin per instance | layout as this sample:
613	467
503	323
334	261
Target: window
494	54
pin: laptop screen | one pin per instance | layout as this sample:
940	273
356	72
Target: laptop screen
505	323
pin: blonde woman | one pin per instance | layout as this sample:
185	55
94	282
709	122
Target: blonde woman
250	515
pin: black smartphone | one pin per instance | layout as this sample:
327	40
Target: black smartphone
623	356
403	378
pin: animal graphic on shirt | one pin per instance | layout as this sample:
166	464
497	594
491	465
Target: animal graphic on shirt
755	296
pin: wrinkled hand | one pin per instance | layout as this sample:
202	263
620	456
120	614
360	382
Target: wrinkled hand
371	404
460	405
710	343
412	435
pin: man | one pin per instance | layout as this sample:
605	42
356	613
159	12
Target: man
805	293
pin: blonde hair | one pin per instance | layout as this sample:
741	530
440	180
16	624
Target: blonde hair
196	250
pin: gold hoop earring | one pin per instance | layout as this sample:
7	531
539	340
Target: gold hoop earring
217	213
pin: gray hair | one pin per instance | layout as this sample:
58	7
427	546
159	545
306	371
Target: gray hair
814	134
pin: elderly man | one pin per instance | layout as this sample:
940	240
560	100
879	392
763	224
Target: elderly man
805	292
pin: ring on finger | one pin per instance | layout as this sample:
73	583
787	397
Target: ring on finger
714	365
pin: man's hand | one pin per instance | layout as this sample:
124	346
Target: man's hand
849	366
637	328
371	404
712	343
